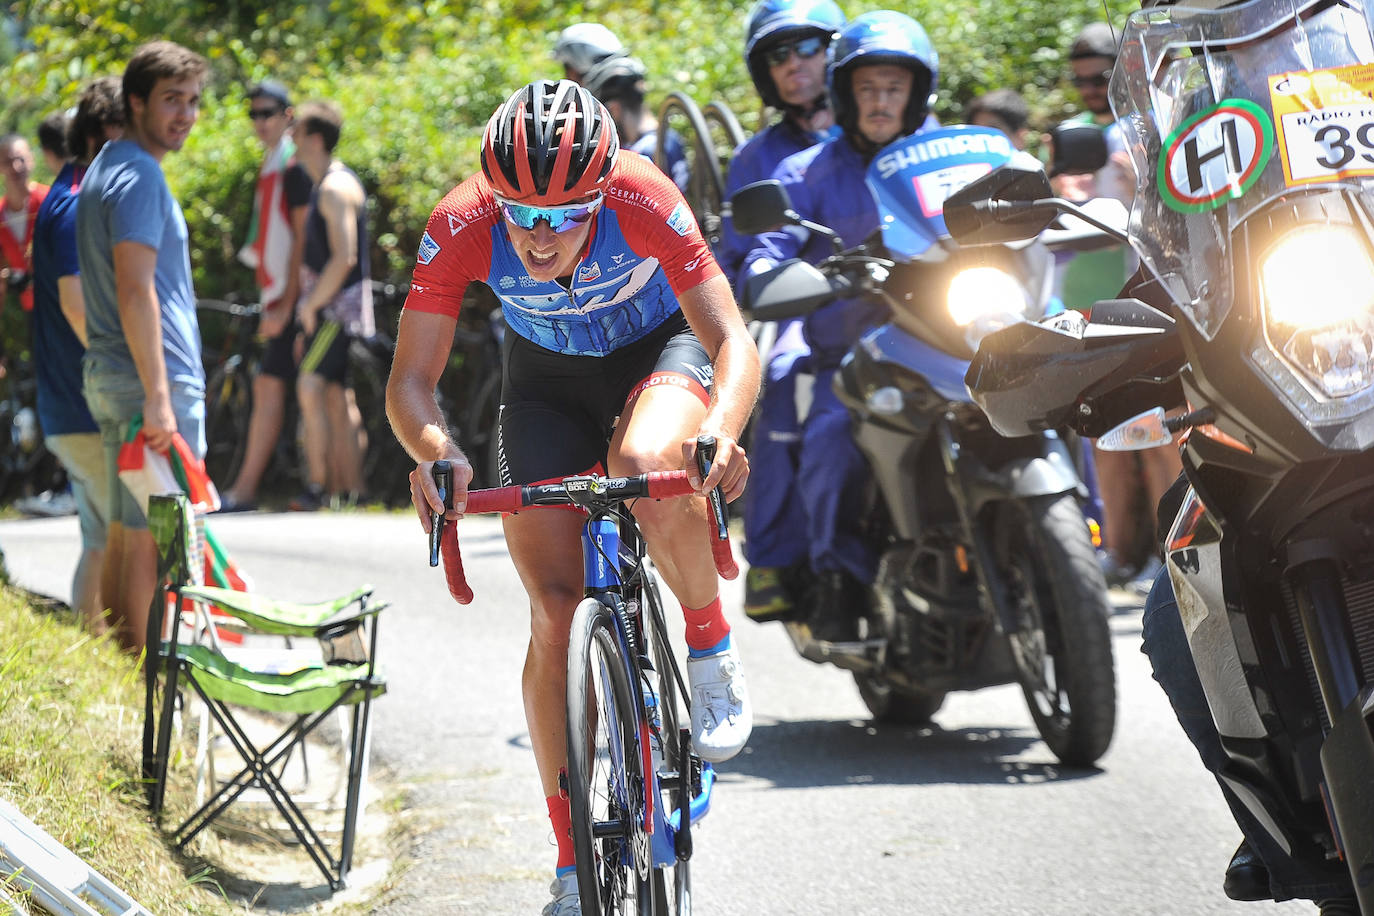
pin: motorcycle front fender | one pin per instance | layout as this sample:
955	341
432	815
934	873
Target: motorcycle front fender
1050	473
1347	762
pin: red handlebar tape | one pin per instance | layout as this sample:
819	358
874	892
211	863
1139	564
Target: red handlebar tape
661	485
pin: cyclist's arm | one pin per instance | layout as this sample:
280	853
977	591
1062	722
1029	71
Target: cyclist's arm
423	342
73	304
141	318
710	309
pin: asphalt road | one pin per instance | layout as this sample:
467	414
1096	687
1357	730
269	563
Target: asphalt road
822	813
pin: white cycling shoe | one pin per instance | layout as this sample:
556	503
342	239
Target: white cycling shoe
566	901
722	713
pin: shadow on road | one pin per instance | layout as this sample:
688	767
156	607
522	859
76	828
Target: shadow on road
806	753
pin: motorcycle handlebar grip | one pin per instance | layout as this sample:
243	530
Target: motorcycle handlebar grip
453	566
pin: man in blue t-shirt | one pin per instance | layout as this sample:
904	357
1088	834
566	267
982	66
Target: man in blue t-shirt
143	356
59	339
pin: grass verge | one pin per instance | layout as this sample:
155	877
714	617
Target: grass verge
70	732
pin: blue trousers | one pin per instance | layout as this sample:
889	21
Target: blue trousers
805	476
1165	644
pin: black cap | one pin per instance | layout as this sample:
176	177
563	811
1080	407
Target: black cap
1096	40
272	90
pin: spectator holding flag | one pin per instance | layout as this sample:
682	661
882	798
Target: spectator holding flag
276	240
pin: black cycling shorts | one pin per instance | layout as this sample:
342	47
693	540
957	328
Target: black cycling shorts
326	352
278	354
558	411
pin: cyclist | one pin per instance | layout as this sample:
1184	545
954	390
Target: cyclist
784	49
618	83
616	310
882	75
582	46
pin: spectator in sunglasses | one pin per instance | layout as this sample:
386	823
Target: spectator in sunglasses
274	248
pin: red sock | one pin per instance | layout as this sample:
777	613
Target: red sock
561	818
706	628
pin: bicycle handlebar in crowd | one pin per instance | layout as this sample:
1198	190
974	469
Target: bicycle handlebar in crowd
575	491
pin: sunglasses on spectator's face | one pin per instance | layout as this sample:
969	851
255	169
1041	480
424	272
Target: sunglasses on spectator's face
262	114
560	219
1099	81
805	48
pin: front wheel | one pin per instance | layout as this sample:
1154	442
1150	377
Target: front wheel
605	771
1062	644
895	707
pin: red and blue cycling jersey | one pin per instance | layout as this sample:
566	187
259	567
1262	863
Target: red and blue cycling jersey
643	251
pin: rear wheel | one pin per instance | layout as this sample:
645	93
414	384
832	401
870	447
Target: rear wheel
228	407
1062	646
672	885
605	773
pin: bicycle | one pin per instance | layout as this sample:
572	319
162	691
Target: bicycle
631	818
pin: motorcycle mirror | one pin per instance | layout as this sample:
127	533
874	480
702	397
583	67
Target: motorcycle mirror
792	288
761	207
1079	148
1009	204
1146	430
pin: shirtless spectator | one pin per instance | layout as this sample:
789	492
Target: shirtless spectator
335	306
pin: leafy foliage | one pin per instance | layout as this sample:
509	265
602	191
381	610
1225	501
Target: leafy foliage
418	80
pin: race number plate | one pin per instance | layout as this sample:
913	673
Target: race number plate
1325	121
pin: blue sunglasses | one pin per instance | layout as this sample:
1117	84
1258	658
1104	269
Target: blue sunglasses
560	219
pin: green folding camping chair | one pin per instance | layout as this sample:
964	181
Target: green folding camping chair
305	687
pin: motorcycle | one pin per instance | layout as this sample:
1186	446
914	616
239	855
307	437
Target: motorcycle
1254	220
987	573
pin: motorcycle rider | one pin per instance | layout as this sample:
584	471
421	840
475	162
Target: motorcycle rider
882	77
784	50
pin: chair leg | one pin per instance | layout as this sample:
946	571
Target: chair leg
259	770
359	747
171	678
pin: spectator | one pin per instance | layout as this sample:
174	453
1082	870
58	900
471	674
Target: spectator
22	197
52	139
582	46
335	306
618	83
59	332
275	247
1004	110
784	50
143	359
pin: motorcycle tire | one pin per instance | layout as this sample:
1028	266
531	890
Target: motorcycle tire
890	706
1063	644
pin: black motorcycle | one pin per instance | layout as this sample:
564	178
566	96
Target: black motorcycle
1254	220
987	571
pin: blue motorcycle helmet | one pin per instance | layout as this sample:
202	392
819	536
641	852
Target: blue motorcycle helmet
774	22
882	37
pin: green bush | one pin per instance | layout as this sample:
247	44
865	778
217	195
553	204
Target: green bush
417	82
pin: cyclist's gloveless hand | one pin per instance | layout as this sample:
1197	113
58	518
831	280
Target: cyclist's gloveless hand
425	496
729	470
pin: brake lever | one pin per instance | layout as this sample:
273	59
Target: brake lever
706	454
442	472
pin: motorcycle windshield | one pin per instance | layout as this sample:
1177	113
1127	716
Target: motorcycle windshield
1225	110
911	178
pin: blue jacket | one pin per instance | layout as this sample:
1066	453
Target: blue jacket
754	161
826	184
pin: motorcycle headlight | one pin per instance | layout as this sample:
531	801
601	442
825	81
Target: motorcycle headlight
979	292
1318	284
